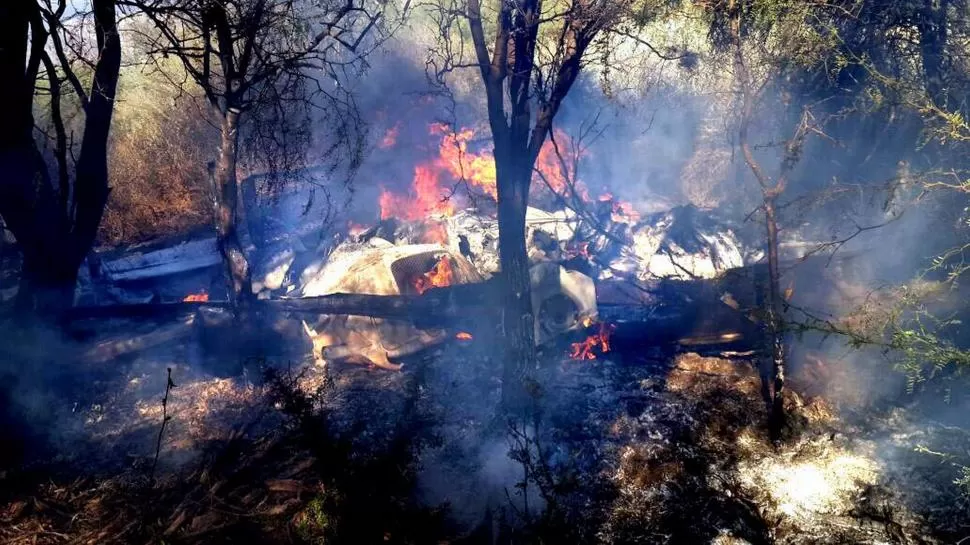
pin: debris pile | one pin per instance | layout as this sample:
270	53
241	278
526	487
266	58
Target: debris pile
449	201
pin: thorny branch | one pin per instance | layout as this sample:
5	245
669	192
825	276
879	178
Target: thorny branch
161	430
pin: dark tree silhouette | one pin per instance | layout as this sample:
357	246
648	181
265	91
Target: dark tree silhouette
55	224
528	58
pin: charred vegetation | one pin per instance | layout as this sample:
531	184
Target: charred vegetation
484	272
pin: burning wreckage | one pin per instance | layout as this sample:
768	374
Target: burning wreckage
586	278
597	266
590	276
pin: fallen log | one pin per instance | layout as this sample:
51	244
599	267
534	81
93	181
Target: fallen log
659	302
142	310
435	305
657	312
119	345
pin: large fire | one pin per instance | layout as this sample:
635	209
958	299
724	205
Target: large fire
597	342
454	157
435	232
439	276
427	197
433	186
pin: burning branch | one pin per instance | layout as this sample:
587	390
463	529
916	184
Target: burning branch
572	195
598	342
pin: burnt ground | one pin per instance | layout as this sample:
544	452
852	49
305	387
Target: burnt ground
646	445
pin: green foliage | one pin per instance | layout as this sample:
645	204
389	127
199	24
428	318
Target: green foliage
646	12
315	523
963	472
963	481
924	355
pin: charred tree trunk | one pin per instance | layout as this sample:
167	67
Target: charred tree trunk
775	326
770	190
225	195
21	167
91	174
518	323
48	273
512	79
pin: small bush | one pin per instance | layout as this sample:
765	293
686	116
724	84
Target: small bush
160	145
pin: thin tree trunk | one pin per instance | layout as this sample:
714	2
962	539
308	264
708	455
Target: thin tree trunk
91	174
517	320
770	191
226	194
777	416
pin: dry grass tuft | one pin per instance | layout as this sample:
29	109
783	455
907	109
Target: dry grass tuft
160	145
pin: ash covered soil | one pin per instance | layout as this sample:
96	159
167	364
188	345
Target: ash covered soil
644	445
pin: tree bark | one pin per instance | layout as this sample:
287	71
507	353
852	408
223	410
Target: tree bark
518	322
775	328
18	152
30	209
226	196
770	190
91	174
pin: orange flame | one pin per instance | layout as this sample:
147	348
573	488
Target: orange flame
438	277
456	160
200	297
427	198
789	291
388	202
390	137
551	172
478	169
463	336
435	232
598	342
623	212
